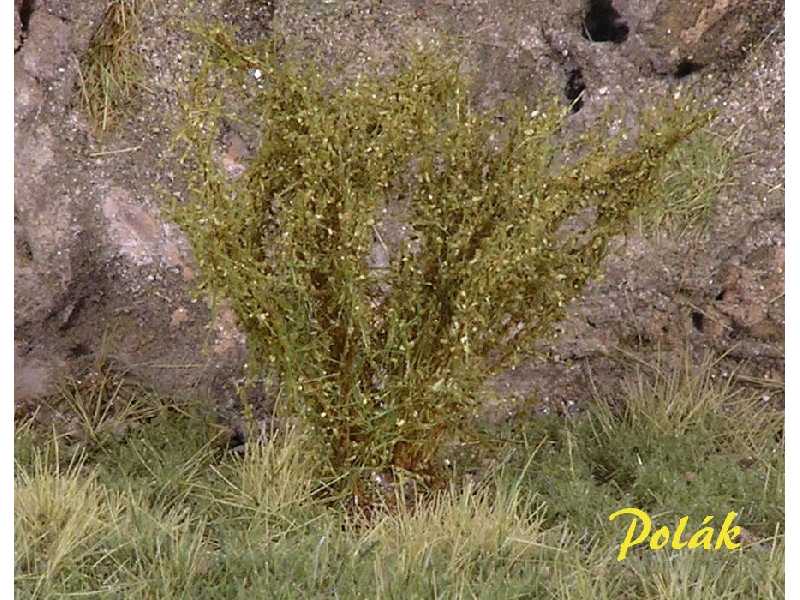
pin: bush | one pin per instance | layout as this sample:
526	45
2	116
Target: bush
389	247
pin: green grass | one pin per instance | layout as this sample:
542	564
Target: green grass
693	177
162	511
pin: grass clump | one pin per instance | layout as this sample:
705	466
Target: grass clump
60	515
388	247
692	178
110	73
678	443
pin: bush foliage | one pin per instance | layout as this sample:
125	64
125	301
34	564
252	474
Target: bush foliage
389	246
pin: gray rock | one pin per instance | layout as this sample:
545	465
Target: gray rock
687	34
47	46
28	96
17	28
35	377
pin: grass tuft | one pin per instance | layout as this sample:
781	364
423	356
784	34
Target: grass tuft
692	179
61	516
110	73
679	442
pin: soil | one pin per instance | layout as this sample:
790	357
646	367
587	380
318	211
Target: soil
100	271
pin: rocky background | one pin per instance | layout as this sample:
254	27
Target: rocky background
99	270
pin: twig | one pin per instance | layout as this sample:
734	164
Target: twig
110	152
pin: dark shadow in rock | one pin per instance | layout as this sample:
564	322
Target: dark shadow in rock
78	350
575	88
603	23
255	18
23	247
26	9
685	68
698	320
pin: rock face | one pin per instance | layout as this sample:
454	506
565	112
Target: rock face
686	35
99	270
17	28
47	45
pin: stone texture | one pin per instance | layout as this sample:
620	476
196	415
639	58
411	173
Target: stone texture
42	230
707	32
35	378
47	46
97	268
17	27
28	95
139	234
96	259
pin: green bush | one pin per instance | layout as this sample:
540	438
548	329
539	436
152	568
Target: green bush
487	236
